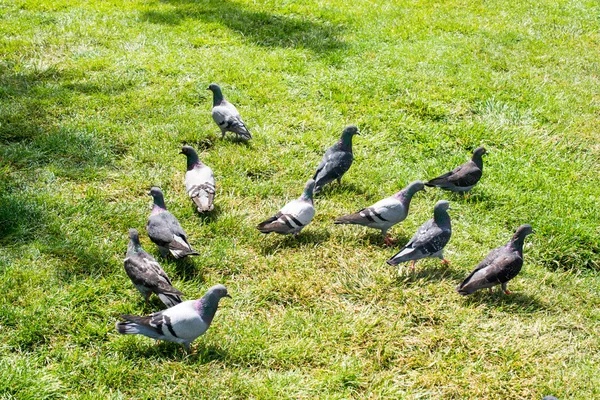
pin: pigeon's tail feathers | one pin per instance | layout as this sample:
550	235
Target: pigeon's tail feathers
127	328
245	134
439	181
180	248
404	255
265	226
349	219
203	196
137	326
180	253
170	299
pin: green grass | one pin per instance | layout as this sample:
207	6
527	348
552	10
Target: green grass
96	99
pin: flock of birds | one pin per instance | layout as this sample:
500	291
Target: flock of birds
183	321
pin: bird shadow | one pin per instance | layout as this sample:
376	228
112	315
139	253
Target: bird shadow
428	272
511	303
187	268
347	188
374	237
207	216
173	352
304	239
257	27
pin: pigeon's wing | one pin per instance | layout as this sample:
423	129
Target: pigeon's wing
159	231
498	267
385	212
229	119
146	272
292	218
463	176
429	240
335	166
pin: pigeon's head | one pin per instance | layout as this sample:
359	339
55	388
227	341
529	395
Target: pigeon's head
219	291
442	205
309	187
523	230
134	236
350	131
415	186
479	151
213	87
187	150
155	192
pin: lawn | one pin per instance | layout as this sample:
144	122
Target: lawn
97	98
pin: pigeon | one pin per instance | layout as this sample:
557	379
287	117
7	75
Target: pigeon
226	115
199	181
165	231
463	177
385	213
182	323
336	161
430	239
500	266
147	275
294	216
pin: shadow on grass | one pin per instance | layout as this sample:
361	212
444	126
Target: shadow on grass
345	188
428	271
512	303
167	351
187	268
304	240
207	216
258	27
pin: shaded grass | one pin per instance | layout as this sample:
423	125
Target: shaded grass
97	98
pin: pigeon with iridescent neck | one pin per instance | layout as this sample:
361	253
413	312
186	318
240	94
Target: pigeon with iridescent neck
294	216
147	275
336	161
385	213
500	266
199	181
181	324
226	116
463	177
165	231
430	239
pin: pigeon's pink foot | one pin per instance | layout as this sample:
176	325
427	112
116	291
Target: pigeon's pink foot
389	241
412	266
491	291
444	261
506	291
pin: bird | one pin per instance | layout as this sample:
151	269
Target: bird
294	216
165	231
385	213
226	116
199	181
500	266
182	323
464	177
147	275
430	239
337	160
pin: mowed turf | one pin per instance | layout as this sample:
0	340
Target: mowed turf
97	98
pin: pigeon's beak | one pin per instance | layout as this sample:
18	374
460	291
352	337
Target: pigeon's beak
228	295
181	152
424	189
207	88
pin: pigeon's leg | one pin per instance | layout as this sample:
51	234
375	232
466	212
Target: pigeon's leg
444	261
163	251
388	240
412	265
505	289
491	291
222	133
339	180
188	348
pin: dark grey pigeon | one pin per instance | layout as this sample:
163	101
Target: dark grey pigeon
165	231
336	161
147	275
294	216
199	181
500	266
430	239
226	115
182	323
385	213
463	177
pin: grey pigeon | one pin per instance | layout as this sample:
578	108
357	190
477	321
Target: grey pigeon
182	323
147	275
226	115
336	161
500	266
463	177
430	239
294	216
385	213
165	231
199	181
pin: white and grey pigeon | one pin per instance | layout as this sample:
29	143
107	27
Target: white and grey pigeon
500	266
182	323
430	239
165	231
226	116
199	181
147	275
336	161
294	216
385	213
463	177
